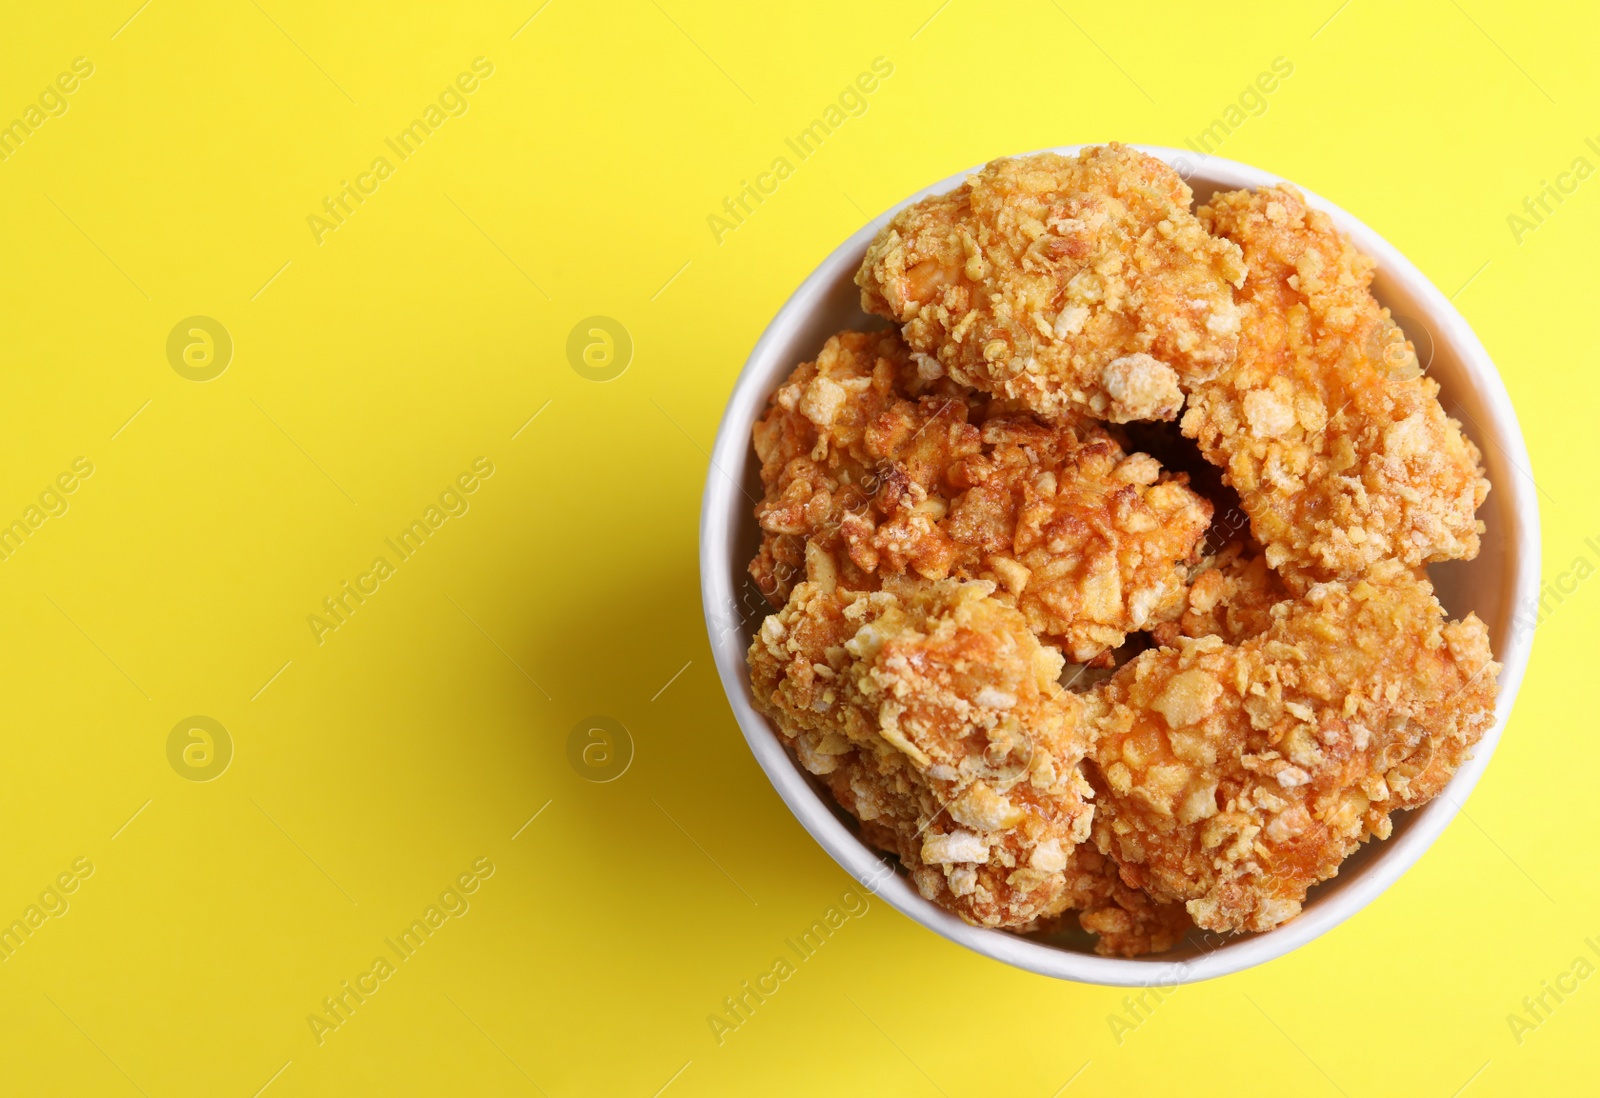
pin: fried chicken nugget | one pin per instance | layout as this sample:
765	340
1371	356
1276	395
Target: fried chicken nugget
1068	284
1325	426
1231	595
844	435
868	482
933	714
1233	778
1126	921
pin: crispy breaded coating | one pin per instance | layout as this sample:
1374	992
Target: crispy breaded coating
1089	542
1080	285
1126	921
845	440
1233	778
933	714
866	479
1324	424
1231	595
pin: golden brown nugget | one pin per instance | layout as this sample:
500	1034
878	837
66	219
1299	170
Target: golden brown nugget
870	471
1070	284
1324	424
1126	921
1089	542
1231	595
1233	778
933	714
851	436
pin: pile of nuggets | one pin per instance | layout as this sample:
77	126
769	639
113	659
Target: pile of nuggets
1035	664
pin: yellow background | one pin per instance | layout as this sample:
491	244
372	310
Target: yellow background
425	731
